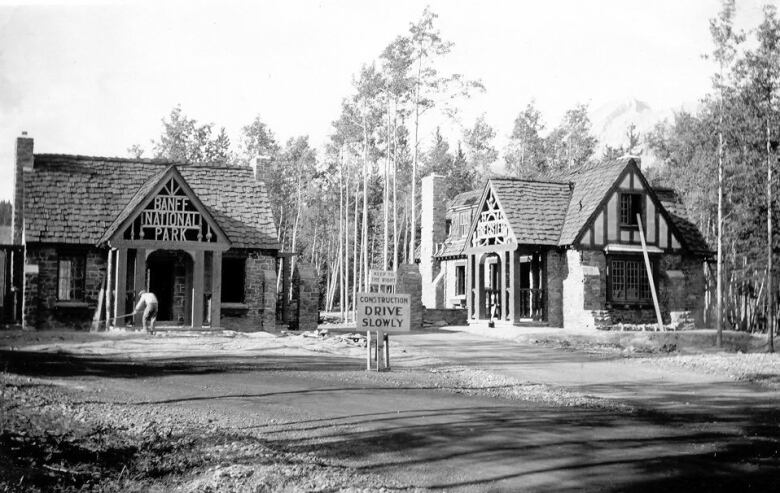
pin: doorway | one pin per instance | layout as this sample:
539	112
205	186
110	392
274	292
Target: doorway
161	283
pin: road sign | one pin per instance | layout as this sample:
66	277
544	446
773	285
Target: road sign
383	280
388	312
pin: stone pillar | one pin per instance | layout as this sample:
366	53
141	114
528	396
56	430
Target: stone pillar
120	296
24	163
270	296
216	289
139	281
197	289
306	297
433	231
409	282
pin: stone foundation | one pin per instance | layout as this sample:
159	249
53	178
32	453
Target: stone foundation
442	317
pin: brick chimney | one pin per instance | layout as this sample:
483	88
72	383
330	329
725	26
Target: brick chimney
433	231
24	163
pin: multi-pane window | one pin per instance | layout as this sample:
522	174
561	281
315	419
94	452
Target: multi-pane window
233	274
460	280
628	281
630	207
465	222
70	285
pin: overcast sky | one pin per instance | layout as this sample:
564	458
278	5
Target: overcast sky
96	77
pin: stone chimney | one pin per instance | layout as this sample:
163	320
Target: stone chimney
433	231
24	163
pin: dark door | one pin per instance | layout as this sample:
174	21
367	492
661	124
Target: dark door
161	279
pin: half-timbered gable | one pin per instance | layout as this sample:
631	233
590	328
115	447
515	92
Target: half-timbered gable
629	203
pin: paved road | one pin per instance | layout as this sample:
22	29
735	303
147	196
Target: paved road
722	440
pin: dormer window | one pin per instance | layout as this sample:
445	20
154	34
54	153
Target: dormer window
630	206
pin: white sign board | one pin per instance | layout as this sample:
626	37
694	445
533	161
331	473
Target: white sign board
381	278
387	312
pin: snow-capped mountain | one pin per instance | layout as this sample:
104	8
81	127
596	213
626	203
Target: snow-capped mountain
612	120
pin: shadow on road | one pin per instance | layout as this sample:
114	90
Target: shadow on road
45	364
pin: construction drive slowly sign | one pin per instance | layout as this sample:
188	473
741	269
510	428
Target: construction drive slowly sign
387	312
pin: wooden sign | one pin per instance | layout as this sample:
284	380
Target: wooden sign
382	279
171	216
388	312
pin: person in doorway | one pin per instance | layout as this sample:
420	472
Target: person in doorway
148	301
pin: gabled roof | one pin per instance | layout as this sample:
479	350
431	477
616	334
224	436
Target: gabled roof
590	186
691	235
463	200
75	199
535	210
150	188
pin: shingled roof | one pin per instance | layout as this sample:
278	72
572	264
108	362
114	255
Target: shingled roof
590	187
535	210
74	199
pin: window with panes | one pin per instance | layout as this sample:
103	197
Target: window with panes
70	277
628	280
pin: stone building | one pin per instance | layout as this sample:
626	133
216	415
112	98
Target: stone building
562	253
97	230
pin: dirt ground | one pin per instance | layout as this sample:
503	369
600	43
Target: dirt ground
459	412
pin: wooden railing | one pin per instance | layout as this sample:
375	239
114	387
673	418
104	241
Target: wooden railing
530	304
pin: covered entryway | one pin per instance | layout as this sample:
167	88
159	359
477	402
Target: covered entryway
166	241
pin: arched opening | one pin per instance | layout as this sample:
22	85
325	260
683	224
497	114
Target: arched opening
169	277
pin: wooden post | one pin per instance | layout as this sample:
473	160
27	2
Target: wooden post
387	352
512	286
368	350
216	288
139	281
109	285
121	285
502	286
99	311
477	288
649	273
469	288
376	350
197	290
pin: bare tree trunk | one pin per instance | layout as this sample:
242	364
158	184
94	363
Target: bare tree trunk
346	250
355	259
295	225
719	281
341	237
770	294
386	196
365	200
406	232
395	188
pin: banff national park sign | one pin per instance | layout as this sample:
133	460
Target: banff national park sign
388	312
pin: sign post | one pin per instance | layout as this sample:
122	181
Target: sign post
384	313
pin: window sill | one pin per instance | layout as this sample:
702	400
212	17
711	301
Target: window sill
71	304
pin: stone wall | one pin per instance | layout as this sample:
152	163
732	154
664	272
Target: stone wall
306	297
441	317
259	286
680	290
410	282
42	309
